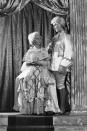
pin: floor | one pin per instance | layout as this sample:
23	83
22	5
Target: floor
76	121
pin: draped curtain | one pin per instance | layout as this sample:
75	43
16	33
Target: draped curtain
55	6
16	22
8	7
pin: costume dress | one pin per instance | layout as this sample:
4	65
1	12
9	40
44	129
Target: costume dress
35	91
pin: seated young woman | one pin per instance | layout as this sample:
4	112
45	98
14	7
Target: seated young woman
35	89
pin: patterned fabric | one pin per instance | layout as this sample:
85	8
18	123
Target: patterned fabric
35	92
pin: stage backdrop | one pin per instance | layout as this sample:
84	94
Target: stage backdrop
18	18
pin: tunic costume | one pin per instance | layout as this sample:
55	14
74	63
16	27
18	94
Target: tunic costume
61	50
62	53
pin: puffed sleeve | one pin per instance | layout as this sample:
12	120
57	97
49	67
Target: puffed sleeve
67	60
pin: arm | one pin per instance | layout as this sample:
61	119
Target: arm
67	61
68	53
44	62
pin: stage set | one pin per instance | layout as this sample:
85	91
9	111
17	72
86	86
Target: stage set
18	18
19	122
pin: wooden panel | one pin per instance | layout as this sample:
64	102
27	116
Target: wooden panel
78	21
